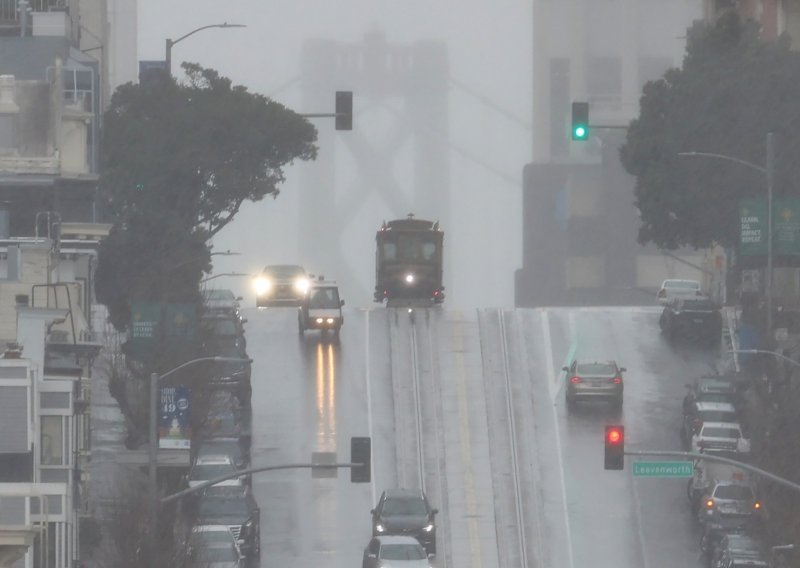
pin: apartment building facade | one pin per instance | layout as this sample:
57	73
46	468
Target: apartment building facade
579	220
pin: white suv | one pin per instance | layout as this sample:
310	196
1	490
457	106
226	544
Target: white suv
720	437
675	288
206	468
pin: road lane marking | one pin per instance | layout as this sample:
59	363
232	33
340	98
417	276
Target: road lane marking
559	451
367	378
466	444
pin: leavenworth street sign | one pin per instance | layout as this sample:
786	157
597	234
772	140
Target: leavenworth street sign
663	469
785	225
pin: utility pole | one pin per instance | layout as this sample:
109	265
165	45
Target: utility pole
770	181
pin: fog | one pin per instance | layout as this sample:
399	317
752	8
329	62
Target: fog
486	142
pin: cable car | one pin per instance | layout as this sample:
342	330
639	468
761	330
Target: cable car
408	261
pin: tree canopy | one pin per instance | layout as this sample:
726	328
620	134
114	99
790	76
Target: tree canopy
732	89
177	163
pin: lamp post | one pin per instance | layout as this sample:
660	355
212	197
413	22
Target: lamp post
153	451
769	172
171	42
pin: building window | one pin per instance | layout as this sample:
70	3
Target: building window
52	440
604	82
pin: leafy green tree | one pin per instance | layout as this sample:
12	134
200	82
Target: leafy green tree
732	89
178	161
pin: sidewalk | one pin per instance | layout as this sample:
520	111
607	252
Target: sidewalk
108	431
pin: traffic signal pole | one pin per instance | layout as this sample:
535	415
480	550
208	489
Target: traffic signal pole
719	459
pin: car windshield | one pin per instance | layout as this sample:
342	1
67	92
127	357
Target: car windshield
324	298
223	327
681	285
220	295
601	369
719	432
402	552
216	554
404	507
222	506
699	305
718	416
281	271
230	448
210	471
200	538
733	492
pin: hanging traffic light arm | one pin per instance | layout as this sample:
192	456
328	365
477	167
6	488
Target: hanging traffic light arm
719	459
242	472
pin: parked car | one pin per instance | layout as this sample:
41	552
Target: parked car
596	380
394	552
281	285
226	418
738	551
706	473
214	545
230	376
732	499
677	288
208	467
692	319
406	512
223	330
235	508
712	389
720	437
218	300
229	447
696	413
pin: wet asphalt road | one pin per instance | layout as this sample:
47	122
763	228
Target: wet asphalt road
311	394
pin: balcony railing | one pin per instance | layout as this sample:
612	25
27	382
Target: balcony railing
10	14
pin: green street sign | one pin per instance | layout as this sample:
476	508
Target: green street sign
663	469
785	226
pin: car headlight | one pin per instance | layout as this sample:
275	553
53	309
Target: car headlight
409	278
380	528
329	320
301	285
262	285
320	320
249	524
428	527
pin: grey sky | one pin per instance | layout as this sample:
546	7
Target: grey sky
489	52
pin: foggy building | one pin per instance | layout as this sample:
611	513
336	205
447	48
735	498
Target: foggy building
579	219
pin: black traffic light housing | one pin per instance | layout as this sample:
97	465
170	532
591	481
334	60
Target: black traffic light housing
344	110
580	121
361	452
614	441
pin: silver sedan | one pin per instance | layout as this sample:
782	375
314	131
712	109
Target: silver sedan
395	552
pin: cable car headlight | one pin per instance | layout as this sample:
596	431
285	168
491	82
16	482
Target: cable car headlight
319	320
410	278
262	285
329	320
301	285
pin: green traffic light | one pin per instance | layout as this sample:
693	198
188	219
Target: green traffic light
580	132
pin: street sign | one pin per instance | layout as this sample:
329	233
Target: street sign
663	469
785	226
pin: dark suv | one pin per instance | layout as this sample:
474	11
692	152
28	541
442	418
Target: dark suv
693	319
406	512
235	507
281	285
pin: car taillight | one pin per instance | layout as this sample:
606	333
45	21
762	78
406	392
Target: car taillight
617	380
701	444
709	503
662	293
697	423
575	380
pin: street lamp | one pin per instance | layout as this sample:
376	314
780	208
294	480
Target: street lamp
171	42
153	451
769	172
220	275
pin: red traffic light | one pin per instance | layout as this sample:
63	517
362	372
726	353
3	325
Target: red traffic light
614	435
614	447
